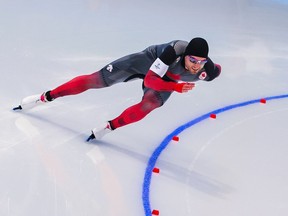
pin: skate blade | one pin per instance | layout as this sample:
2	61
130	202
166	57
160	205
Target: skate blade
91	137
17	108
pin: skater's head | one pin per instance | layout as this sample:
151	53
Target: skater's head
196	54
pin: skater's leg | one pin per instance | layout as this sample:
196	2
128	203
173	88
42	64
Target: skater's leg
78	85
150	101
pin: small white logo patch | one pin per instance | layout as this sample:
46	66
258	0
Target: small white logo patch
157	66
109	68
203	75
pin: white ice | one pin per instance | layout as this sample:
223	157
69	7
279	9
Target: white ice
234	165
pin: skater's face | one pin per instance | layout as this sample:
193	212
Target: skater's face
194	63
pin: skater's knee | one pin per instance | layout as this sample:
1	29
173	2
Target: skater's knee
149	104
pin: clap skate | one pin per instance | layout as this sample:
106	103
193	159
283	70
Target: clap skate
99	132
34	100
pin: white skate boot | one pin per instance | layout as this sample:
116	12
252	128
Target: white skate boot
32	101
99	132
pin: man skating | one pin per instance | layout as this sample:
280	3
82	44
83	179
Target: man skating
164	68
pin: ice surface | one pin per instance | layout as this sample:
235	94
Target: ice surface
234	165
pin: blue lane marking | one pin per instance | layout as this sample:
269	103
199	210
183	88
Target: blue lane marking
153	159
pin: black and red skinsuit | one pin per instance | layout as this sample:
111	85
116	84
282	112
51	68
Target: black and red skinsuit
160	66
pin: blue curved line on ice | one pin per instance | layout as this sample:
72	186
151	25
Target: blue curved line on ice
153	159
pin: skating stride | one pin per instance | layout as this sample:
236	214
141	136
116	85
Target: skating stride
164	68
